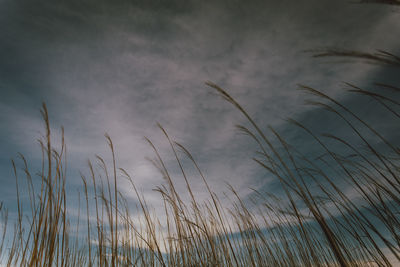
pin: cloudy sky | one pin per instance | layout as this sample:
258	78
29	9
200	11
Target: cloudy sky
121	66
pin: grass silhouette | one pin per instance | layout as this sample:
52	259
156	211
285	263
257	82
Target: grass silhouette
302	227
316	221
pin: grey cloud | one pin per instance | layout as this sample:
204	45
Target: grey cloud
121	66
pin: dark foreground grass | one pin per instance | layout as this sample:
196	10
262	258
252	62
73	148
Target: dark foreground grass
314	222
338	209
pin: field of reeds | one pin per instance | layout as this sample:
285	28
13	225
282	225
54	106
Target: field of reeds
314	222
341	208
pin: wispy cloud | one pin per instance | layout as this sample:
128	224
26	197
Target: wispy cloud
120	67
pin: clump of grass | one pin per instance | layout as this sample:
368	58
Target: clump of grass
372	174
385	2
338	209
378	57
313	223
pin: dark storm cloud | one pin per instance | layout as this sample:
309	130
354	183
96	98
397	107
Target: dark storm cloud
120	66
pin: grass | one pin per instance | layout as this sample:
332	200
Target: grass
314	222
338	209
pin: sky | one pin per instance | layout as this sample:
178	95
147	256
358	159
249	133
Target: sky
120	67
